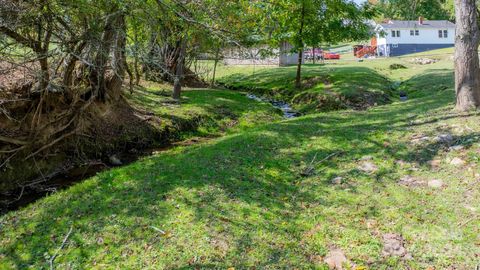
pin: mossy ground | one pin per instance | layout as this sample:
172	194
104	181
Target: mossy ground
264	197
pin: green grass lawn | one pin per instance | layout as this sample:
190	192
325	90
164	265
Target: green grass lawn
278	195
209	111
335	85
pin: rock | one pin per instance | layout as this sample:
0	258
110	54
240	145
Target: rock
114	160
423	61
393	245
419	138
366	158
445	138
337	180
456	148
368	167
457	162
410	181
335	259
434	163
435	183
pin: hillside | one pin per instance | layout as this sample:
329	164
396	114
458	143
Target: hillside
338	84
390	187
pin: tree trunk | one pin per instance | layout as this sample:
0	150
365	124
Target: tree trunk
298	79
135	62
298	82
313	54
119	61
217	53
177	84
467	69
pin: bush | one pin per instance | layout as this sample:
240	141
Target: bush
397	66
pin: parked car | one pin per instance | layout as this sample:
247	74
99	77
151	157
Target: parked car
331	55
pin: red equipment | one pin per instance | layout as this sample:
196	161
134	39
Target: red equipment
331	55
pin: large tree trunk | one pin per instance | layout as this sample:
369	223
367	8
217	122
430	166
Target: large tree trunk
177	84
298	82
97	76
467	69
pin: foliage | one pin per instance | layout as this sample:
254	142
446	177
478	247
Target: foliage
324	21
411	10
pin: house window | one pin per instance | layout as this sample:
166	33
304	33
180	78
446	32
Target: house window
417	32
395	33
414	33
443	33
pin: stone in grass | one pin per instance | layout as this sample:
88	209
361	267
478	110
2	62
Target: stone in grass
393	245
410	181
457	162
368	167
435	183
114	160
434	163
456	148
445	138
337	180
335	259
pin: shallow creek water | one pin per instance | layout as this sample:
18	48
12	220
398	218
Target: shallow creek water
287	111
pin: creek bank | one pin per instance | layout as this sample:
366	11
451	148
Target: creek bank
67	176
122	135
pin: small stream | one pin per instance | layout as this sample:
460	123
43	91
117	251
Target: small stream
68	176
287	111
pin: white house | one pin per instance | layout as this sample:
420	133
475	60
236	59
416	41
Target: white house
395	38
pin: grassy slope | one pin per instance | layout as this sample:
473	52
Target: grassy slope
364	82
242	200
210	111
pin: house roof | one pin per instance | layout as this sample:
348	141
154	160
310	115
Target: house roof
414	24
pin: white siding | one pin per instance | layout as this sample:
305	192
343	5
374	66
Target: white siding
426	36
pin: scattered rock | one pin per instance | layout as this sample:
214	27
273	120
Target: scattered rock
335	259
457	162
114	160
435	183
337	180
445	138
423	61
410	181
434	163
419	138
368	167
100	241
456	148
366	158
393	245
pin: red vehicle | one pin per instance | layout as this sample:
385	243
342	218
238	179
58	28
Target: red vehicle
331	55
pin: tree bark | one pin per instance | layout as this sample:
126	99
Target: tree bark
298	82
467	69
313	54
177	84
217	54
